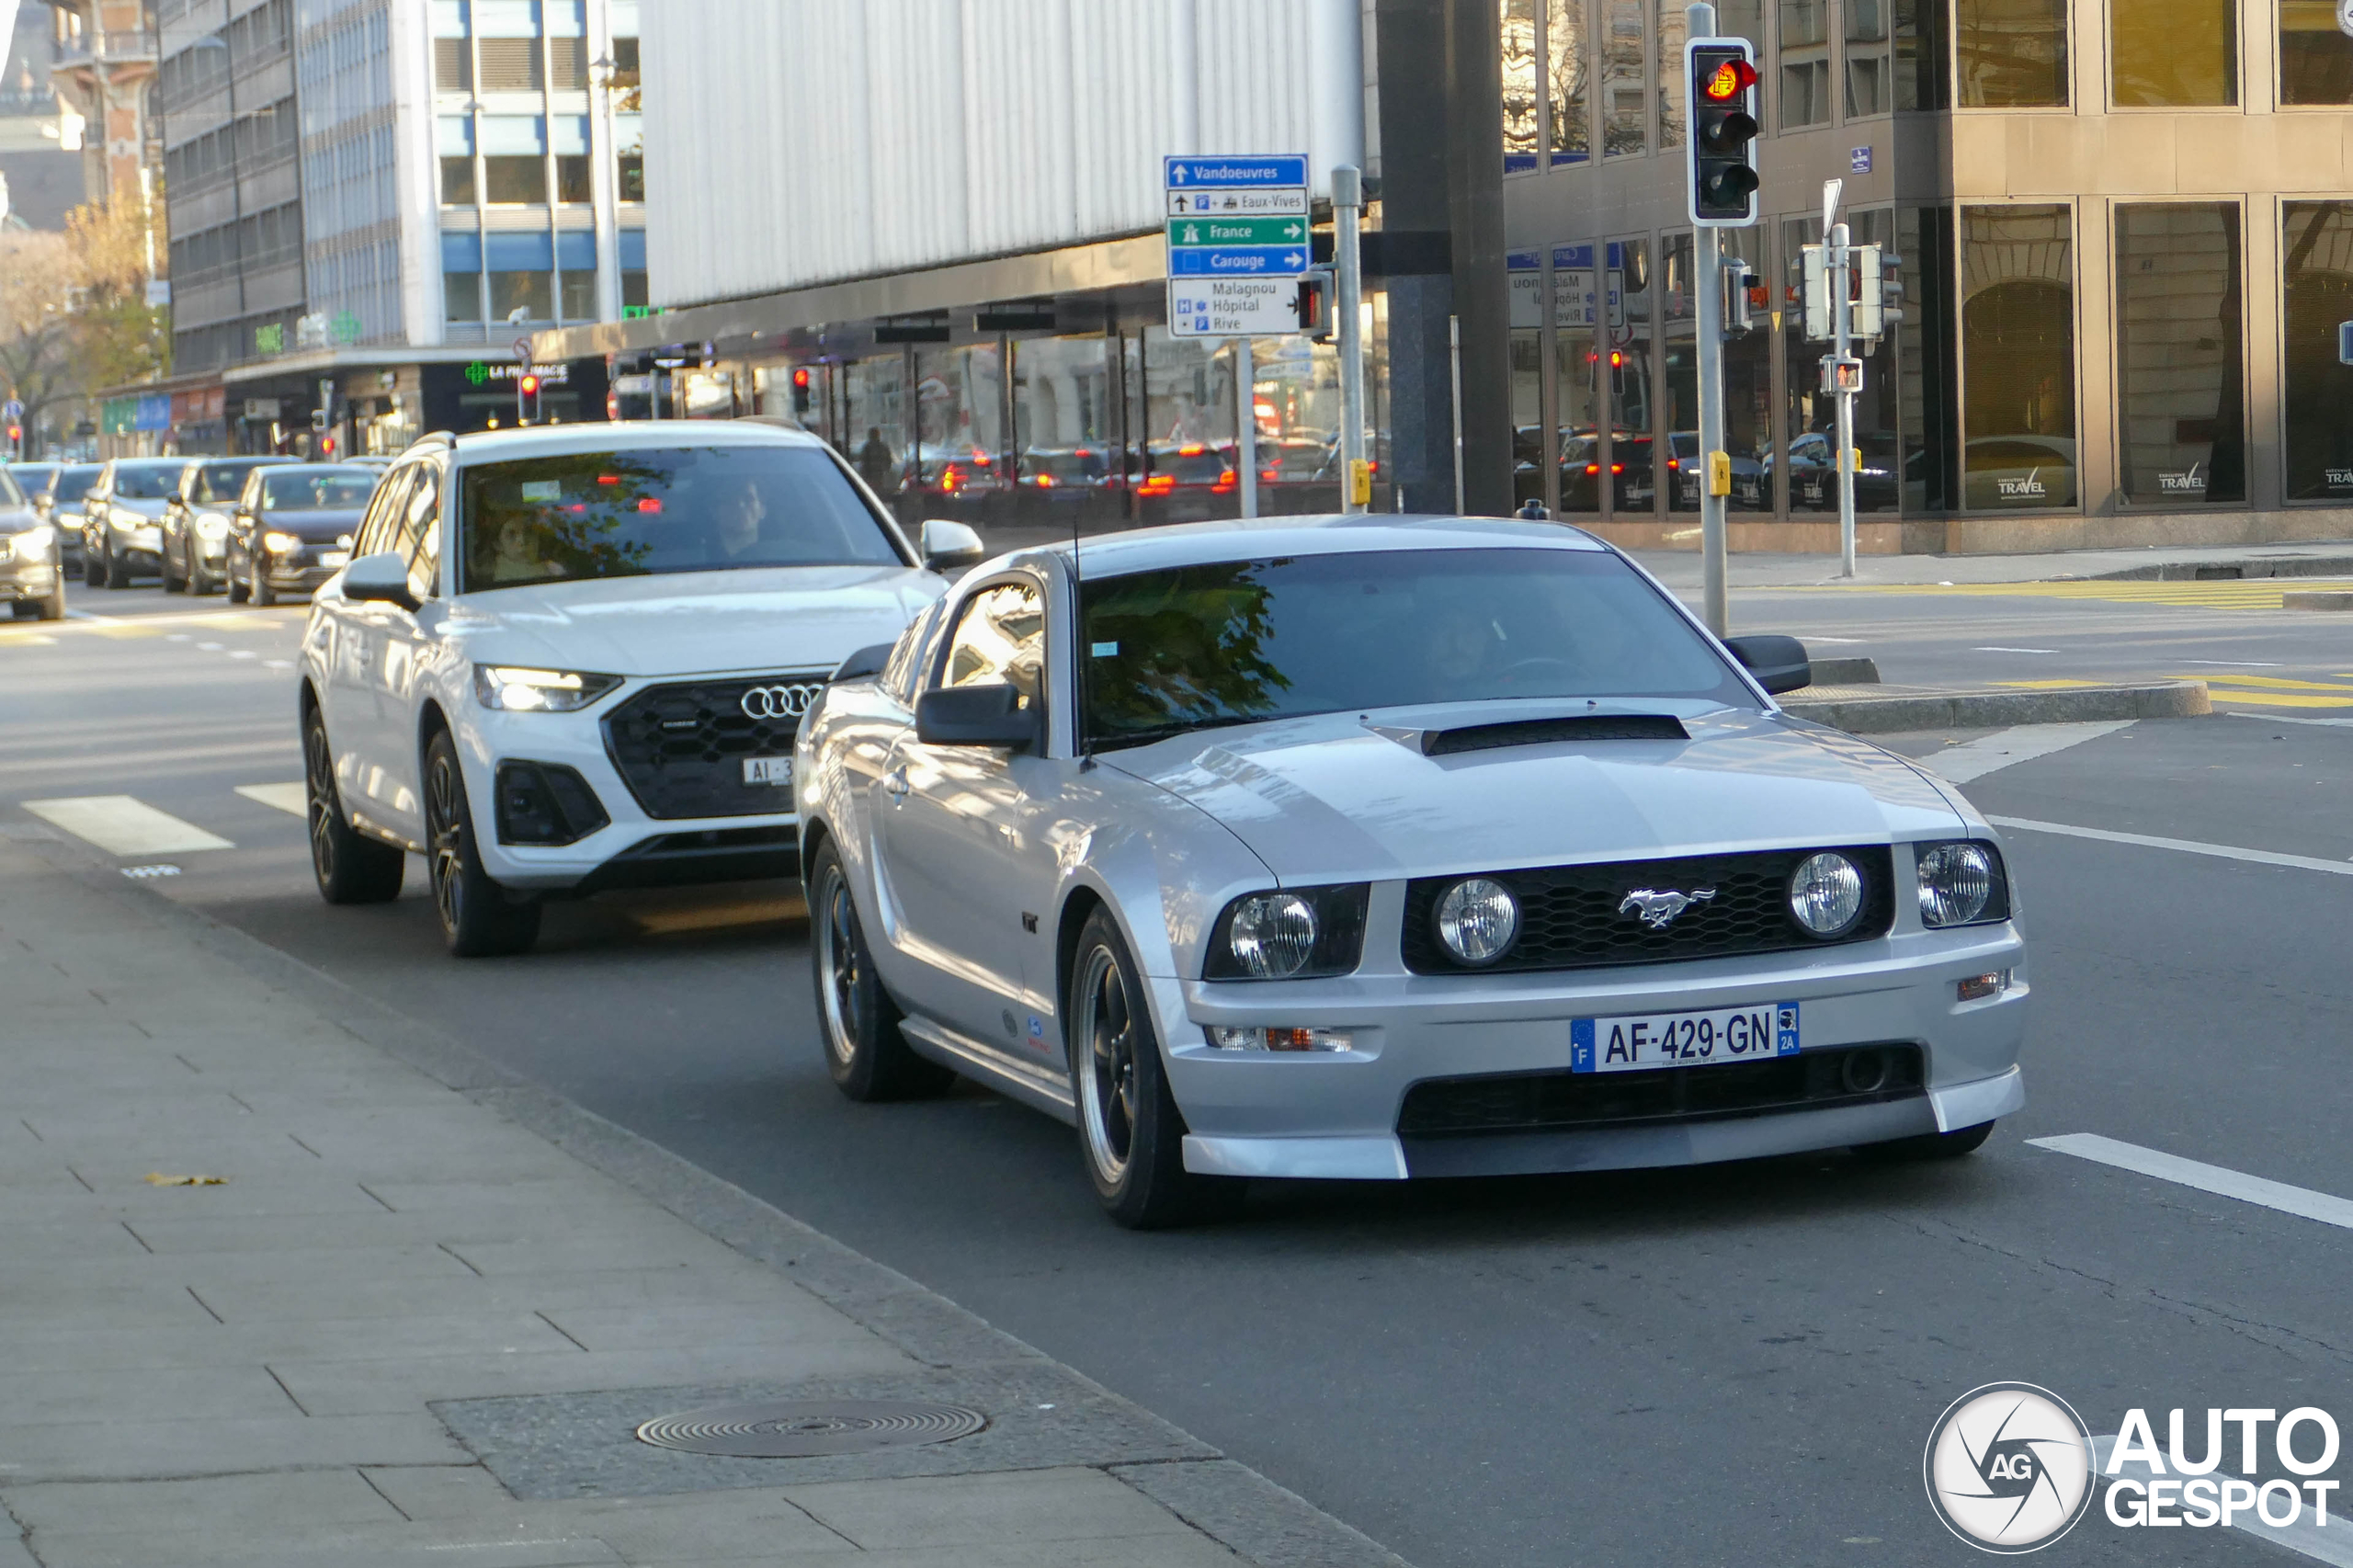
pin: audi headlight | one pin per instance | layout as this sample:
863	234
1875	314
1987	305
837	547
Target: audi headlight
1477	919
211	525
1962	884
1826	894
35	542
1289	935
518	690
281	544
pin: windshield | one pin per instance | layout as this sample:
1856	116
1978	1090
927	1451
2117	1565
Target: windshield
146	481
659	510
314	491
220	484
1235	642
75	484
10	495
32	477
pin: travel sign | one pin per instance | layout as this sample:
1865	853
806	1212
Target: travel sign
1237	242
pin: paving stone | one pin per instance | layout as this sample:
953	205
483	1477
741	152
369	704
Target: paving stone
1037	1505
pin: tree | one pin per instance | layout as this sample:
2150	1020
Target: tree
119	337
37	322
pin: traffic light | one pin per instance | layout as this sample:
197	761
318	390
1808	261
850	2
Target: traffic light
527	399
1879	291
16	441
1741	288
800	390
1723	77
1314	305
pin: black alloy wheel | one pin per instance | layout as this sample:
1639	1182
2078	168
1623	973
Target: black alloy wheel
867	1057
118	575
480	919
1130	1128
198	585
257	588
94	566
173	584
229	577
350	869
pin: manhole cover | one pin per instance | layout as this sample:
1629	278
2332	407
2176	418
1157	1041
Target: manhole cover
792	1429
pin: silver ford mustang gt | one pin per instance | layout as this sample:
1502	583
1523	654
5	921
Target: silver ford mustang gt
1381	848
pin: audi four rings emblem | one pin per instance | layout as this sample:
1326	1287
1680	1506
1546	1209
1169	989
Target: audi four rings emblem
778	702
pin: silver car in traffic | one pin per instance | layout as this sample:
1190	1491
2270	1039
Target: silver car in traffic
1381	848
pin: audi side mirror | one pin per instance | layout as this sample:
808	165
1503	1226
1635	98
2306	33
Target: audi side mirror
1779	663
382	578
951	546
976	716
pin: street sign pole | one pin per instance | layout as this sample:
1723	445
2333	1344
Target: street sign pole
1840	267
1709	308
1246	426
1348	209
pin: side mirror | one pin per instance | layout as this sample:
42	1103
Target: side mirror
1779	663
949	547
382	578
865	663
975	716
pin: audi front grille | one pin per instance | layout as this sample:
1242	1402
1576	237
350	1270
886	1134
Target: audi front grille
680	749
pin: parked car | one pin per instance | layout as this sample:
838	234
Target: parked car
1374	848
292	528
122	519
32	566
572	658
195	521
60	504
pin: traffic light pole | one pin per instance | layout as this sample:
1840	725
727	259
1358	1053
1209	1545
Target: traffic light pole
1708	310
1246	426
1838	267
1348	211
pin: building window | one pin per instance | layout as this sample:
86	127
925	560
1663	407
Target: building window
571	178
2316	55
632	259
579	296
575	261
1520	87
1625	100
1671	34
2316	251
532	294
510	64
1564	70
2174	54
517	180
457	182
2181	420
453	67
454	137
1868	84
1629	295
629	147
2017	347
1805	63
2012	54
461	277
1921	67
1524	279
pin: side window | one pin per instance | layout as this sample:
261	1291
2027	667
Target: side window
899	675
1000	639
419	508
424	567
383	508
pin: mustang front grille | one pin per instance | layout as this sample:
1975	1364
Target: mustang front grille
680	749
1578	916
1563	1102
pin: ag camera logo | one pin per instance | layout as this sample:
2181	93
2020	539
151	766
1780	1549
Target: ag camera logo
2009	1468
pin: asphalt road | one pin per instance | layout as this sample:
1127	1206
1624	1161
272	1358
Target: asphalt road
1729	1365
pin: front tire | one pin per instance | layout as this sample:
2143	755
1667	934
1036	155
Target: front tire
228	579
53	607
1950	1145
118	576
172	584
94	568
1129	1126
867	1057
350	869
480	919
198	585
257	589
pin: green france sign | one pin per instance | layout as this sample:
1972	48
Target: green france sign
1237	231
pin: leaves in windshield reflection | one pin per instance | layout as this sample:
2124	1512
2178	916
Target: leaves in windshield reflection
1191	649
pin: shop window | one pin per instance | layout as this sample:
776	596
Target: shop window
2315	55
1625	98
1520	99
2018	358
959	406
1524	277
1805	63
1569	131
1869	84
1925	394
1748	384
2180	374
2316	265
2174	54
1628	302
516	180
457	182
874	410
2011	54
1576	376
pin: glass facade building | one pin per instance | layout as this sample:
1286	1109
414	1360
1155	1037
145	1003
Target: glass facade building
2125	235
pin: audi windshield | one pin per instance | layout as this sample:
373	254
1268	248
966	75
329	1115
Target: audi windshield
1236	642
576	516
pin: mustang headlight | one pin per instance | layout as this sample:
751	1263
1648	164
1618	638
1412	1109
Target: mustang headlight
1289	935
1962	884
539	691
1477	919
1826	894
211	525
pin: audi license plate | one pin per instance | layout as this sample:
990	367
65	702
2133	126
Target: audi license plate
334	558
1643	1042
776	770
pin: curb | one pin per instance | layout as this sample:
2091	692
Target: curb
1863	712
2228	571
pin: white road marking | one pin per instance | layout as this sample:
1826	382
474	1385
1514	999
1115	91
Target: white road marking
1987	754
288	798
243	653
2332	1542
2014	650
277	663
2284	718
2234	664
2186	846
2300	1201
208	647
124	824
1833	640
175	636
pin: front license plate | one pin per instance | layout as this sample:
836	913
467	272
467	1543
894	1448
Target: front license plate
774	771
336	557
1643	1041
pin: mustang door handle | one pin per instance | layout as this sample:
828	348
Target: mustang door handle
894	783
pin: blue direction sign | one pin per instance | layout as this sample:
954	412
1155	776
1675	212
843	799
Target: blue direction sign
2345	343
1252	173
1237	261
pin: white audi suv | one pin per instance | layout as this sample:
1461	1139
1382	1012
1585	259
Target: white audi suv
565	660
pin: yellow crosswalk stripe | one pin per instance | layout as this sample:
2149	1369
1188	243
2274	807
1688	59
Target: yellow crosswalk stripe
2277	682
2281	698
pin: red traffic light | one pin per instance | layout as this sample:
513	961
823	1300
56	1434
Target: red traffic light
530	383
800	379
1728	81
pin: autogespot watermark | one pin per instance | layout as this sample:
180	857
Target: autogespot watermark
2010	1468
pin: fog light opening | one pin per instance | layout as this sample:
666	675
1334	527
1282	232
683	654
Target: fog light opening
1254	1037
1977	987
1864	1072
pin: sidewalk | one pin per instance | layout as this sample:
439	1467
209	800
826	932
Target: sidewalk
1679	569
421	1317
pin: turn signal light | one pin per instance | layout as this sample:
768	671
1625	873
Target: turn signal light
1227	1037
1977	987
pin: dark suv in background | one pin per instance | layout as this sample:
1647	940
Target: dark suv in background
195	521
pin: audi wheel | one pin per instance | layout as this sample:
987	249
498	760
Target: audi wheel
479	917
349	868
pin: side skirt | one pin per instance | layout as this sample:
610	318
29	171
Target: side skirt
1032	1085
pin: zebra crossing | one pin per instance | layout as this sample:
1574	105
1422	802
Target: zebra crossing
128	827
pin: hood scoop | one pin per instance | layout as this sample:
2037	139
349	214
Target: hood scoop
1575	727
